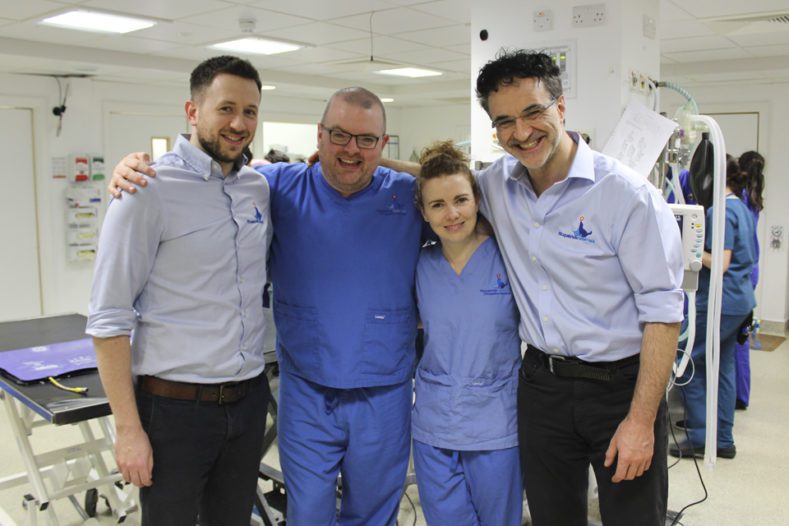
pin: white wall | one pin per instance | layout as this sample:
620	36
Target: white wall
770	101
418	127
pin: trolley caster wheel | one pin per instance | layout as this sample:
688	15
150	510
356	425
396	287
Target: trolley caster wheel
91	501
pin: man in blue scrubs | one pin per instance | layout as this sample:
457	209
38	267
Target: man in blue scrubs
343	257
594	258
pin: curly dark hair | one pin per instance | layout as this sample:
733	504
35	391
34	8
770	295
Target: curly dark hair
511	65
205	72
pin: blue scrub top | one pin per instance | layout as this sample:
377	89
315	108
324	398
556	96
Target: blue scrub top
466	382
738	296
343	275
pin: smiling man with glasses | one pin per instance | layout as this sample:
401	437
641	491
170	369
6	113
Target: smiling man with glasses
594	259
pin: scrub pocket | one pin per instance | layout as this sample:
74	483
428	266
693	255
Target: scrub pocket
389	341
434	413
489	406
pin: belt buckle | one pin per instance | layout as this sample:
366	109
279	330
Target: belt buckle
221	397
552	358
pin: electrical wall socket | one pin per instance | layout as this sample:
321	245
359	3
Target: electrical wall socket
542	20
589	15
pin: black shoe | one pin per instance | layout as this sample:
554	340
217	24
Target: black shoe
686	450
739	404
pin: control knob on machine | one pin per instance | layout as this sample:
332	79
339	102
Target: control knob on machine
695	265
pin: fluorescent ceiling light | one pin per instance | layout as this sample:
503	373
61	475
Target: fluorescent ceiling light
387	99
99	22
267	87
257	46
410	72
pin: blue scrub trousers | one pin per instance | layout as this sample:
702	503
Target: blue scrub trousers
361	433
469	488
696	390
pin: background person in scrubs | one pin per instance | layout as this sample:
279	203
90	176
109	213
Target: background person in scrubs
464	421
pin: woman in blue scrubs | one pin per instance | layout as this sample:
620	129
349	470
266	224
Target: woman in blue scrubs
464	421
752	164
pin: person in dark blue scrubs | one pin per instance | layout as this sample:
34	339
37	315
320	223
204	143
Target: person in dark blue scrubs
464	422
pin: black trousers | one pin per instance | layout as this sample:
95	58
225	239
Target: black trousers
206	458
564	425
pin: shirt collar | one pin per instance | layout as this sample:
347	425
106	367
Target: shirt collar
582	166
202	163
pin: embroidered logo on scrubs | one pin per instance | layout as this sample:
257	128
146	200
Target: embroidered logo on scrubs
395	208
501	288
580	233
258	217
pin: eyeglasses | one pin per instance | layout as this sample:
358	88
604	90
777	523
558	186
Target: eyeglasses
341	138
529	115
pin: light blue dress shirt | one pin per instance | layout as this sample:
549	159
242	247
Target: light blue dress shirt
591	260
183	265
467	379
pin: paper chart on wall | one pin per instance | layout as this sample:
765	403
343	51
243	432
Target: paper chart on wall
639	137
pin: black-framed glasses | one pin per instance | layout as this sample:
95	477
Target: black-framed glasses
341	138
529	115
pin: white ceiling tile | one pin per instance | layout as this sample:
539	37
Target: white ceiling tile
228	19
695	44
457	66
457	10
169	9
382	45
442	37
671	11
398	20
130	44
39	33
318	33
322	10
761	39
25	9
716	8
429	56
769	51
708	55
183	33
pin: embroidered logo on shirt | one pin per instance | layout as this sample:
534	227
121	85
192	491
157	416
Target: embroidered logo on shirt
580	233
394	208
258	217
502	288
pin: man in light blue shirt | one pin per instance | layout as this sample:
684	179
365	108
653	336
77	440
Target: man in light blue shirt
183	267
594	258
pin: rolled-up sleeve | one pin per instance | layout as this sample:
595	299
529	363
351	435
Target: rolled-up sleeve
128	243
650	253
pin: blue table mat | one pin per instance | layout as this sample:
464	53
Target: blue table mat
31	364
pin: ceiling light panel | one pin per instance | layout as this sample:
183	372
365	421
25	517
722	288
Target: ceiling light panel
97	22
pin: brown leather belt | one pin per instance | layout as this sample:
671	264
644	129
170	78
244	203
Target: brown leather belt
226	393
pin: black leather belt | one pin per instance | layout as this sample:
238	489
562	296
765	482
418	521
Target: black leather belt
569	367
226	393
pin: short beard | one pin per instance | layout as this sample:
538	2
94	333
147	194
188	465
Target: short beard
212	148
